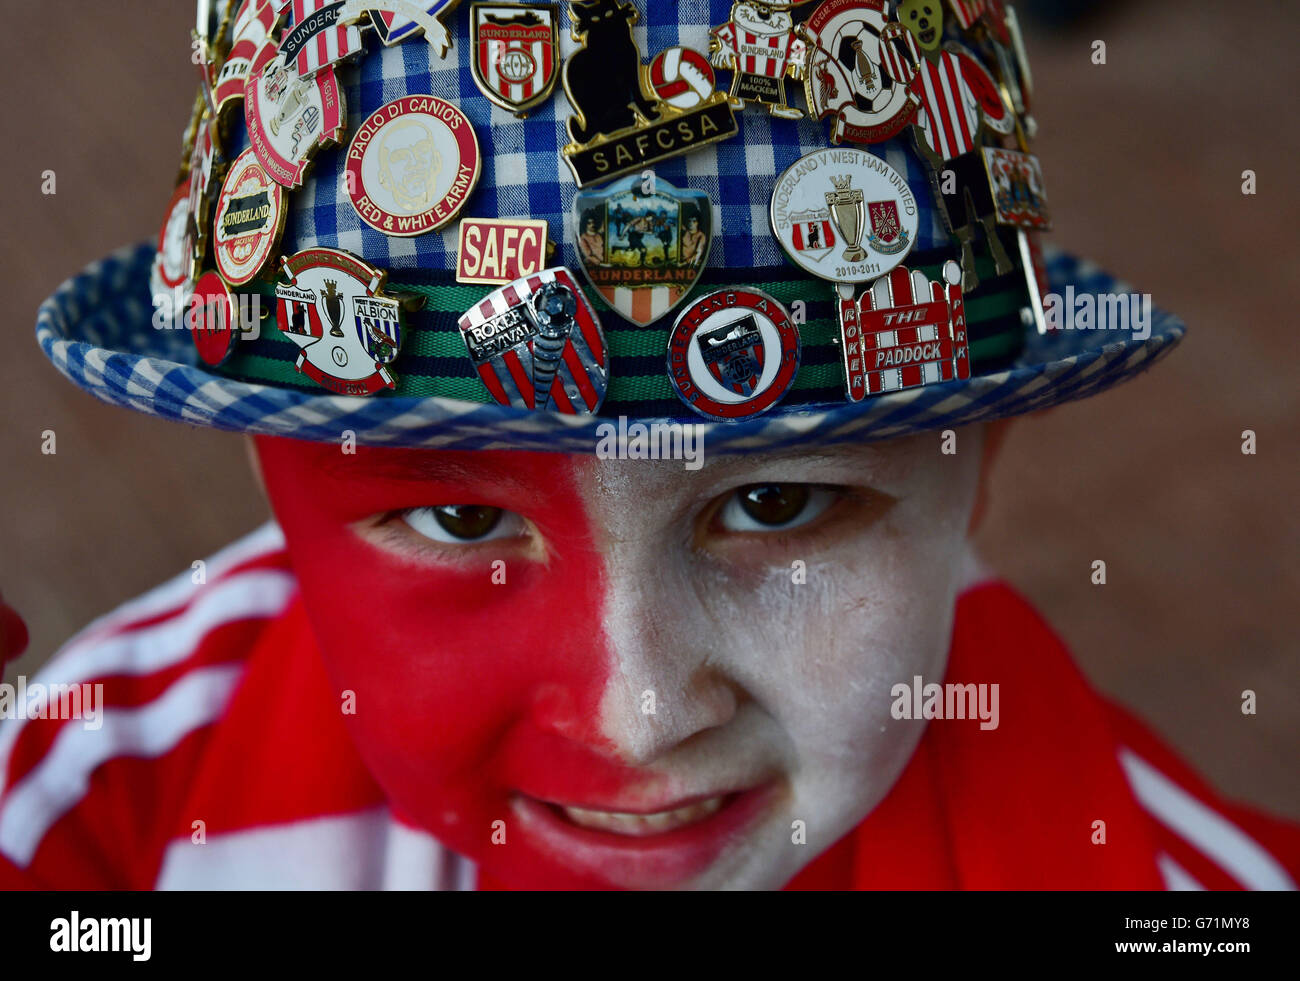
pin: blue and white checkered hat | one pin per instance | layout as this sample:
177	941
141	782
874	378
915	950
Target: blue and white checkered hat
98	329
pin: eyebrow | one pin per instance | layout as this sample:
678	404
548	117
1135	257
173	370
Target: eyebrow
432	468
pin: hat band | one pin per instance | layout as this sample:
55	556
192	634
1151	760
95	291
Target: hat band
434	362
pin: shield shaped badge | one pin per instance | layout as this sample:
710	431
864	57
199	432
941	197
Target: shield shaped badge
516	53
643	244
733	353
887	234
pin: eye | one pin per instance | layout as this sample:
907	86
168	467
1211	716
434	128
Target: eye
464	524
775	507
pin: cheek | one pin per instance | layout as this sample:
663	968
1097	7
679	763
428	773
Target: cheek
453	673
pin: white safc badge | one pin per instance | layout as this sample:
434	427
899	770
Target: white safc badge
333	308
537	344
250	218
516	53
844	215
290	118
847	80
733	354
412	165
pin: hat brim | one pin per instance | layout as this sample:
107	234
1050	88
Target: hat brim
97	330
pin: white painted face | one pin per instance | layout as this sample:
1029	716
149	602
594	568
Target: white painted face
761	673
568	642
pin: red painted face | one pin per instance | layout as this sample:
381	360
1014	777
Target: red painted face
484	688
623	684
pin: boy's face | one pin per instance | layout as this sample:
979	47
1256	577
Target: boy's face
647	673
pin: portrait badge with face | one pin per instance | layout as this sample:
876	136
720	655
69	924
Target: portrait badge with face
412	165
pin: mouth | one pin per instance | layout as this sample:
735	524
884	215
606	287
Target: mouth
928	35
642	825
652	848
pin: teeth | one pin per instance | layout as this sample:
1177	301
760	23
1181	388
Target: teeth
638	825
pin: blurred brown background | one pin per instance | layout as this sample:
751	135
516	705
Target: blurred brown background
1144	158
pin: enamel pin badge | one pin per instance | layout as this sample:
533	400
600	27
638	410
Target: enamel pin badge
643	244
904	332
847	80
497	251
172	274
412	165
397	20
621	126
250	218
1018	193
255	24
210	318
290	118
844	215
537	344
760	46
516	53
733	354
318	37
333	307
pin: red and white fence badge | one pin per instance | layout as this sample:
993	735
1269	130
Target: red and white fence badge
334	309
904	332
516	53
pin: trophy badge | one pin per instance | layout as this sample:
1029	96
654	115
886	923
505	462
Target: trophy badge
844	215
334	308
847	211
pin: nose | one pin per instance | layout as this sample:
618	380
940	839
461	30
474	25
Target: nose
667	684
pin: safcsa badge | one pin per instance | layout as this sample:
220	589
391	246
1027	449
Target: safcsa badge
644	244
334	309
516	53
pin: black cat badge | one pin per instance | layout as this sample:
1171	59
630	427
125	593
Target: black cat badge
623	125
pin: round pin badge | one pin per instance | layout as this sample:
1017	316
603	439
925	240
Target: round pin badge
412	165
174	263
844	215
250	219
997	115
733	354
173	269
210	319
290	118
